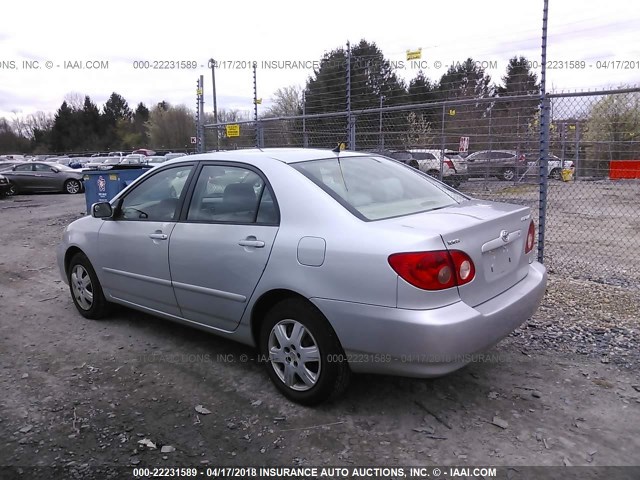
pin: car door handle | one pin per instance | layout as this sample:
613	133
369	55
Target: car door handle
251	242
158	236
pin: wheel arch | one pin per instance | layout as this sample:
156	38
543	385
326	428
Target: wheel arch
68	255
266	301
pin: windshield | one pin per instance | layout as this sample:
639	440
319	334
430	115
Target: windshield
375	188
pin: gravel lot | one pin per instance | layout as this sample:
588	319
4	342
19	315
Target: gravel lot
563	390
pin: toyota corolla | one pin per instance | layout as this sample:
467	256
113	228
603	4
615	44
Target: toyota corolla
328	262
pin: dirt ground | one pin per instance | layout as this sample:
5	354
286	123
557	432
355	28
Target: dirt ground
81	393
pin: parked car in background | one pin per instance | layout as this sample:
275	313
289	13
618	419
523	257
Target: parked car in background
5	186
12	157
451	158
134	159
74	162
103	162
43	177
156	159
328	262
144	151
8	165
426	162
505	164
172	155
554	166
116	154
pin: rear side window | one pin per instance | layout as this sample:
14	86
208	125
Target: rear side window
374	188
225	194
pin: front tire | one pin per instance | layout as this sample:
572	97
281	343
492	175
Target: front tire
555	174
508	174
305	360
12	191
85	288
72	186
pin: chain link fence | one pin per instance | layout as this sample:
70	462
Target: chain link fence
593	173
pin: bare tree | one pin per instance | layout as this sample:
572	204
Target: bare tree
287	102
171	128
75	100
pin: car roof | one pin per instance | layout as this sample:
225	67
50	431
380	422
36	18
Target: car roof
284	155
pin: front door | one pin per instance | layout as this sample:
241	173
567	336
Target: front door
134	245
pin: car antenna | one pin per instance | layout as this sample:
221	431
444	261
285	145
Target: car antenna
341	146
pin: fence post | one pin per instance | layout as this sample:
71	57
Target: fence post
577	163
255	104
350	139
544	135
444	108
381	134
305	138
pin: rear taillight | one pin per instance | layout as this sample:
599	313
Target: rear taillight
435	270
449	164
531	238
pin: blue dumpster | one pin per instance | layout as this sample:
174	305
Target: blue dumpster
103	185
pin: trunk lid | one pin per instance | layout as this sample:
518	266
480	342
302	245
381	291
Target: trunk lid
492	234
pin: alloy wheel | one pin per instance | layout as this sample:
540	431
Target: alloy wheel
82	287
294	355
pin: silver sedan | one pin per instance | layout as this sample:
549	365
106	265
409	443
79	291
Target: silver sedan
328	262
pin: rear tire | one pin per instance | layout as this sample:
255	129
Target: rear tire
304	357
72	186
433	173
85	288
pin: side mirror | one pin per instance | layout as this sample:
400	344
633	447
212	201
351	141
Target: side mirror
101	210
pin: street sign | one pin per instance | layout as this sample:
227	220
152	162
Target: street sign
464	144
194	140
233	130
414	54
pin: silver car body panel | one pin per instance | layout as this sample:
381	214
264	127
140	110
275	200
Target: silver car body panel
202	276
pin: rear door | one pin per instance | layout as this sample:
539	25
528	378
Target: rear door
220	248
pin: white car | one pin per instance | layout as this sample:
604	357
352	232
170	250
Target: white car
554	167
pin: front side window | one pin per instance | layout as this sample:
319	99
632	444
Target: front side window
157	197
374	188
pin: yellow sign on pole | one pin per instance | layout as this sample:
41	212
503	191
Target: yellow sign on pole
414	54
233	130
257	101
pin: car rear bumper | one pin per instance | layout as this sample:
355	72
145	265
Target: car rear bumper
430	343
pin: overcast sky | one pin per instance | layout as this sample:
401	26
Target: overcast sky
236	33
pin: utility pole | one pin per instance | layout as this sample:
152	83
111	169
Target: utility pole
212	65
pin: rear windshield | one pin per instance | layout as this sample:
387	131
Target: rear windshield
375	188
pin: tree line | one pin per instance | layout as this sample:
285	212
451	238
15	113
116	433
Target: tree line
464	101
